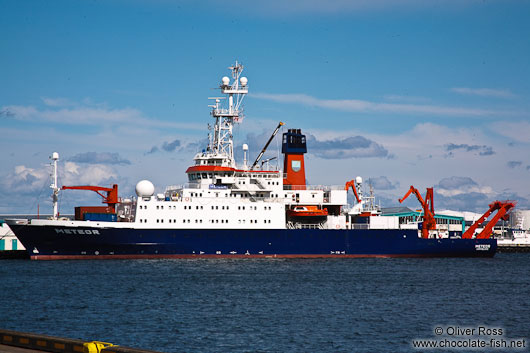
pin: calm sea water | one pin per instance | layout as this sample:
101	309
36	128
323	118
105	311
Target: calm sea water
265	305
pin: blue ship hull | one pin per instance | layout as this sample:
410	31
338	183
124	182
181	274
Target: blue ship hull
54	242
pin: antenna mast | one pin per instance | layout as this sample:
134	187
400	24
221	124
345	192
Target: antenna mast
55	195
221	141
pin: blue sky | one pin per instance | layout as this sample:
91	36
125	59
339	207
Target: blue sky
429	93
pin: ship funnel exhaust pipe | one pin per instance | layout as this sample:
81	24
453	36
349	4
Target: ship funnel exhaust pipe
293	148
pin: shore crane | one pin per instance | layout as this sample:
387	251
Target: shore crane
429	222
502	208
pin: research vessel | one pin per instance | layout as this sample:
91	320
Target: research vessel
235	211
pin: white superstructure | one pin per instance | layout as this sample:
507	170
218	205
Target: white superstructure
219	194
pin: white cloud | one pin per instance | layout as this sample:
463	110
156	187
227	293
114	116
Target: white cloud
455	185
91	114
94	174
484	92
24	180
516	130
297	7
356	105
57	102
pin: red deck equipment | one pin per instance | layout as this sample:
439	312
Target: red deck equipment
502	208
429	222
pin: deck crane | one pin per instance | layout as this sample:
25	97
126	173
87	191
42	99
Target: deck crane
429	222
111	199
502	208
267	145
351	184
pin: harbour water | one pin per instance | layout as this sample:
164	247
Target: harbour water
266	305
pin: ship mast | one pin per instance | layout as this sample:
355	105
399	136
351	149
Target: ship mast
220	140
55	195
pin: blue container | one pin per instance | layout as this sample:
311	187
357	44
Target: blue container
102	217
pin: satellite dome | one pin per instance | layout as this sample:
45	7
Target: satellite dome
225	81
245	147
145	188
359	180
243	81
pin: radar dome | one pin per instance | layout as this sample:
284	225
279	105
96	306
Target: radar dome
359	180
245	147
225	81
145	188
243	81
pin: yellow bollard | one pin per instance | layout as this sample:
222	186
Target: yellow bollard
95	346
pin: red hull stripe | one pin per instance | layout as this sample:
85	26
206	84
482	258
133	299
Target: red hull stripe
213	168
238	256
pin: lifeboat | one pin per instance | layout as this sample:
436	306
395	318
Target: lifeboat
307	211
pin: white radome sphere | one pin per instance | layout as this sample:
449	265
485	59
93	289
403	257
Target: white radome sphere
243	81
145	188
245	147
359	180
225	81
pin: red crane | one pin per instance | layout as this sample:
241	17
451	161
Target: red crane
429	222
502	208
352	184
110	199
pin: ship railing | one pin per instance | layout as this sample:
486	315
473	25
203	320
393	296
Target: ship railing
291	225
360	226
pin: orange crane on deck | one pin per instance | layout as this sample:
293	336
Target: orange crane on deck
112	193
502	208
429	222
351	184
